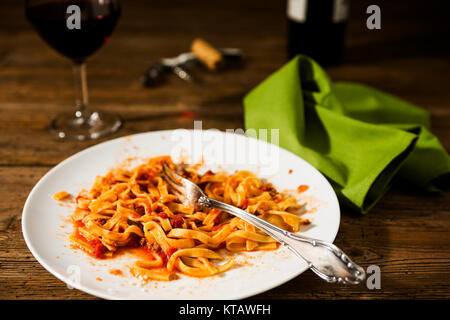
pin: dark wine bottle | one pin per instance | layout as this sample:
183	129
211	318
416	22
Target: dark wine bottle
317	29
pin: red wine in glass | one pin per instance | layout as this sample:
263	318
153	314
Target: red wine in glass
97	19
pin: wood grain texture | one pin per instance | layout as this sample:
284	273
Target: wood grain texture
407	234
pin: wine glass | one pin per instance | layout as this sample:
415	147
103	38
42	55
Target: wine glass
76	29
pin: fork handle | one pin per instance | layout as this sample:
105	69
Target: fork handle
325	259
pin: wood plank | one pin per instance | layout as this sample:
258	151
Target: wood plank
406	234
410	243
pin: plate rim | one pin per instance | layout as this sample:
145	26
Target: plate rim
95	293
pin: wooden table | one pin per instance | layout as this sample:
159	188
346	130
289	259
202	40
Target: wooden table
407	234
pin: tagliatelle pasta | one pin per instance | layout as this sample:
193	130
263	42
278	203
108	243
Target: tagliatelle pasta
134	209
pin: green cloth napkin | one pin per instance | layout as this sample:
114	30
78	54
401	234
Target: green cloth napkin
357	136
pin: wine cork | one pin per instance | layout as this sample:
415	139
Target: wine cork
207	54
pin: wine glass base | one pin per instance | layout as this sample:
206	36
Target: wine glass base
93	126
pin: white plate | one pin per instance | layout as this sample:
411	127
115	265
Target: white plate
45	222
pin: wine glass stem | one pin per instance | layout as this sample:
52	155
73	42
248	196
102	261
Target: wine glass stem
79	71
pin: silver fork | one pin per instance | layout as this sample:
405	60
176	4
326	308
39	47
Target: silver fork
325	259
